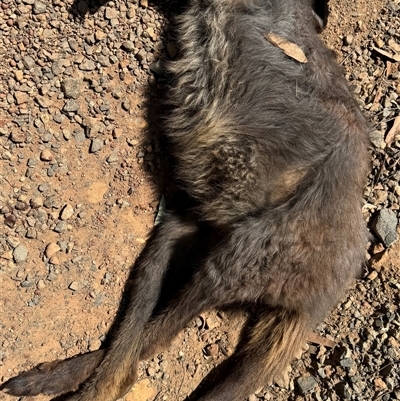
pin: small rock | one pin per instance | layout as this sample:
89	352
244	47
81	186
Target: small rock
74	286
19	75
28	62
31	233
379	384
67	212
61	227
57	67
79	135
20	253
54	260
46	155
211	349
71	106
96	145
51	249
144	3
131	13
347	362
21	97
7	255
110	13
379	42
385	225
36	202
99	35
306	384
377	138
21	206
128	46
94	344
348	40
13	241
87	65
40	285
71	88
151	371
18	137
39	7
113	158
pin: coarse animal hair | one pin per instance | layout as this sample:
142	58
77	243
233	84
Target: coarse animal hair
273	155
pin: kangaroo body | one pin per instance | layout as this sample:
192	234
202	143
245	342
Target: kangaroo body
273	154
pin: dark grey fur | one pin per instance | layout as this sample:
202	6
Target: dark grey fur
273	152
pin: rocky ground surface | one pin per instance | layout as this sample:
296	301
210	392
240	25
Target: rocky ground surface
79	190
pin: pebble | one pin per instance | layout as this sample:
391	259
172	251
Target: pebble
96	145
110	13
31	233
94	344
13	241
10	221
348	40
151	371
18	137
19	75
39	7
87	65
113	158
40	285
54	260
46	155
7	255
385	225
20	253
61	227
211	350
67	212
71	88
74	286
51	249
71	106
36	202
21	97
377	138
128	46
306	384
28	62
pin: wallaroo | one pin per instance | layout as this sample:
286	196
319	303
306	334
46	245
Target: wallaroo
271	153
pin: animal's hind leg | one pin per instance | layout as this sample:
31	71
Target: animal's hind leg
116	370
56	377
197	296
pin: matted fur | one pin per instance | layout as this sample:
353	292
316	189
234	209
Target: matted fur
273	152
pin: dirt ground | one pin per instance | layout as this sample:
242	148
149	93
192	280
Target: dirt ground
83	216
